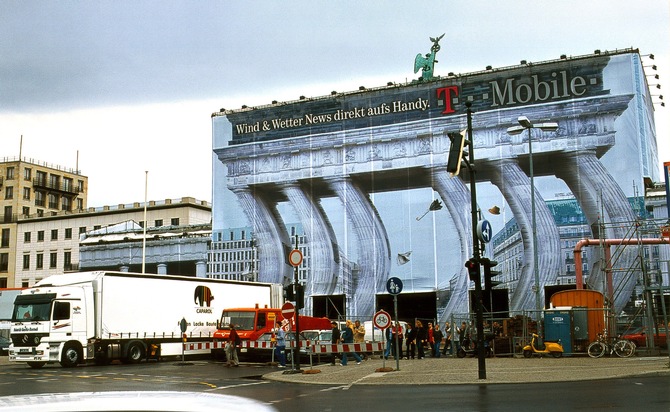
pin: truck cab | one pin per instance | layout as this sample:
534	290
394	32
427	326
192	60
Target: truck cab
49	326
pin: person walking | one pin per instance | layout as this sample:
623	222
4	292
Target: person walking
334	339
359	334
437	341
348	337
388	335
280	345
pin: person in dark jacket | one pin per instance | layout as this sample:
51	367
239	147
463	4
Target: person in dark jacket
410	339
421	338
334	339
348	337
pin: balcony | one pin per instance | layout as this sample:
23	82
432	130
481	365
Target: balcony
63	188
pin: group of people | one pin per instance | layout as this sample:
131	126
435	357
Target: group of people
350	333
420	340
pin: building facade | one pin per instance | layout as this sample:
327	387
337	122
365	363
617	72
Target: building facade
50	245
32	189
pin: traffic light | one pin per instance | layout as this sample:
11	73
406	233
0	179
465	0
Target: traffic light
473	269
290	295
455	152
489	274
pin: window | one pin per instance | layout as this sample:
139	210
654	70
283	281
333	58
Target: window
9	192
8	214
26	211
41	179
54	181
80	204
80	186
40	235
174	221
27	173
39	198
5	238
53	260
68	233
26	193
3	282
158	222
82	229
39	261
26	262
67	260
61	310
66	203
54	234
67	184
10	173
53	201
40	212
96	227
26	237
4	262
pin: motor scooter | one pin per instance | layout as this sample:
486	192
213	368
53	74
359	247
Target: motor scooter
469	348
554	349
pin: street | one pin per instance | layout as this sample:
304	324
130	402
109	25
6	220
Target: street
207	376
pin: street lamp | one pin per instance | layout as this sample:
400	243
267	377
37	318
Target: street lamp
525	124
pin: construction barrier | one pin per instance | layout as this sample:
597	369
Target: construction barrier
308	345
348	347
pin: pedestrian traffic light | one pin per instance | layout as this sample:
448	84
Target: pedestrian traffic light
455	152
473	269
489	274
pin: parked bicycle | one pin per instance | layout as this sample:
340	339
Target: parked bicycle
623	348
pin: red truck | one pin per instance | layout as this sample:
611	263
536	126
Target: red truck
255	325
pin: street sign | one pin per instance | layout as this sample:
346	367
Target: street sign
382	320
295	257
394	286
484	231
288	310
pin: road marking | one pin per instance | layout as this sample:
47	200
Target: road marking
237	386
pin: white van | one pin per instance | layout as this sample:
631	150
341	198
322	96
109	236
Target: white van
372	334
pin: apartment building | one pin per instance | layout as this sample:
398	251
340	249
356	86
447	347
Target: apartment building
33	190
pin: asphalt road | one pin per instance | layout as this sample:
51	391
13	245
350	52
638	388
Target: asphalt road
629	393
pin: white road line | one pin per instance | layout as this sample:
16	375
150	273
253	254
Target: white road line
238	386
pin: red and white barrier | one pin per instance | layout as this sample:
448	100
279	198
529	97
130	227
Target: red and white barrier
309	345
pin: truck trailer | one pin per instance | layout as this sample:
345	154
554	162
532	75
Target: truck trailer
103	316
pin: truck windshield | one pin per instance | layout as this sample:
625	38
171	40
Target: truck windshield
31	311
241	320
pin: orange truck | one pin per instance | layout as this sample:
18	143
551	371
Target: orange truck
255	328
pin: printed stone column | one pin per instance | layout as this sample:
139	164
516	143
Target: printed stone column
514	184
323	267
268	228
456	197
374	251
597	191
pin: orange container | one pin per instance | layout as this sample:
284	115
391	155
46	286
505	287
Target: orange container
591	300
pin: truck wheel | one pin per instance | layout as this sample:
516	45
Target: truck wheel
36	365
71	356
135	353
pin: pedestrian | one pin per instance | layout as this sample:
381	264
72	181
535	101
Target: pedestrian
397	331
388	335
447	338
280	346
334	339
431	338
359	334
410	340
437	336
231	347
421	337
348	337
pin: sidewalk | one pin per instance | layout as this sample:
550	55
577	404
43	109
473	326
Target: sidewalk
466	371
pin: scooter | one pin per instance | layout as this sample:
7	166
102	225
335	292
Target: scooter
469	348
554	349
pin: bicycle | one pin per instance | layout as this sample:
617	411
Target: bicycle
623	348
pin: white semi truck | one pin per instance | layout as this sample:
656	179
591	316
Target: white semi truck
103	316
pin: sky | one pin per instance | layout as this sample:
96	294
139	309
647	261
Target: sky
119	88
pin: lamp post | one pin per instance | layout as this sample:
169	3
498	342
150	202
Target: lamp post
525	124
